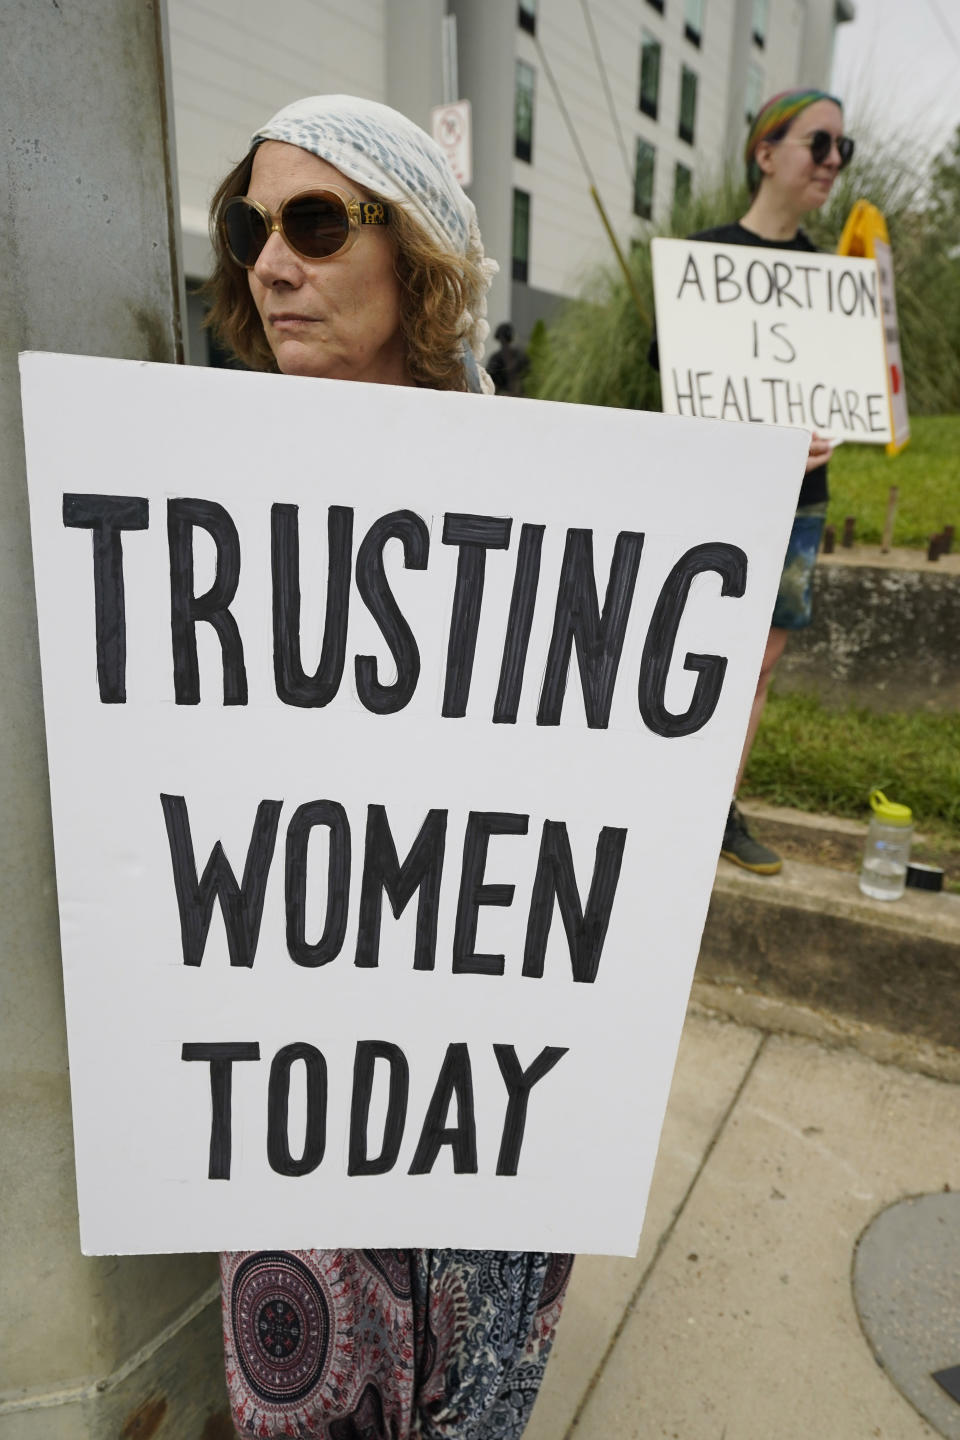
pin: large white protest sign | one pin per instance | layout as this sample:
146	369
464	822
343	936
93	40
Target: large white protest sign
786	337
391	735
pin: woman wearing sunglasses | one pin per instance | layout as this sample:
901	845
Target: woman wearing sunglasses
794	152
345	249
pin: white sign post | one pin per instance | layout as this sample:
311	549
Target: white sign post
781	336
899	414
451	128
391	735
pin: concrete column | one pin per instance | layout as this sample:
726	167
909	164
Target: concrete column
486	39
819	33
740	53
414	57
88	1347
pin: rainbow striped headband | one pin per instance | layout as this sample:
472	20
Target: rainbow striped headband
773	116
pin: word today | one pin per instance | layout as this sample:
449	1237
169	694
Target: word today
454	1086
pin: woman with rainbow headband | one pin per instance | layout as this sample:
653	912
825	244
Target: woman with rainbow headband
794	152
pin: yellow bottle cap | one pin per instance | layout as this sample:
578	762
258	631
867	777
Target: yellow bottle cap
889	811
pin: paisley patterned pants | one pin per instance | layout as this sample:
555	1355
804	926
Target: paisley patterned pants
388	1344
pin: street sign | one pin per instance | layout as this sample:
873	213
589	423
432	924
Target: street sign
450	127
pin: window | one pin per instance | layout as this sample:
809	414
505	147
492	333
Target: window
523	111
527	16
649	73
521	235
688	105
682	186
759	24
693	21
754	91
643	181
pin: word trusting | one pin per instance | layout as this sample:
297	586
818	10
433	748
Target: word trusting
580	623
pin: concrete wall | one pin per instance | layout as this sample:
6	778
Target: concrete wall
414	57
87	225
485	48
885	634
237	62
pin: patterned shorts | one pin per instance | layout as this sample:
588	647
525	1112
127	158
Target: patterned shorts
794	607
388	1344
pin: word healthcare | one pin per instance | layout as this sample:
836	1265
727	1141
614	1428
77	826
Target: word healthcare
579	621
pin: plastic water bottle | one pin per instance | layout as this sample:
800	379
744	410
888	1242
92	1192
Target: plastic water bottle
883	875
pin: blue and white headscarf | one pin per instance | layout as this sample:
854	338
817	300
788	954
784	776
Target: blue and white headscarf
385	152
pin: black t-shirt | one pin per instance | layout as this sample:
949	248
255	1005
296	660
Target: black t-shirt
813	491
738	234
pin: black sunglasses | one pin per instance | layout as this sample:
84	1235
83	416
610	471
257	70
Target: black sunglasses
820	144
316	224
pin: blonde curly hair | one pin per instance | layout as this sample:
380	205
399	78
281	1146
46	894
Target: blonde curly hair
439	293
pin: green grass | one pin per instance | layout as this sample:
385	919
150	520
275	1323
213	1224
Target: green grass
818	759
927	474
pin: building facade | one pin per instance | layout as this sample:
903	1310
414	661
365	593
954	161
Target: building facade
642	99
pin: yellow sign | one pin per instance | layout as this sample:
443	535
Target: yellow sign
866	234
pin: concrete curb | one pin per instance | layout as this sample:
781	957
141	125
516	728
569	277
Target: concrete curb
807	938
738	1006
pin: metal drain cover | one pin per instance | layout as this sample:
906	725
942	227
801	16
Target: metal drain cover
906	1285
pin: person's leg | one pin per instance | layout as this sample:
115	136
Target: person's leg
738	844
776	644
793	611
320	1342
488	1320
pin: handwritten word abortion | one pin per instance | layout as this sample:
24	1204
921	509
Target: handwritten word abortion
782	284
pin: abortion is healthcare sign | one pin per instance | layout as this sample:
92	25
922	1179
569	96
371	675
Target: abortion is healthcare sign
391	735
787	337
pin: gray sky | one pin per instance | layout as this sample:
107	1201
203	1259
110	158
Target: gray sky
903	61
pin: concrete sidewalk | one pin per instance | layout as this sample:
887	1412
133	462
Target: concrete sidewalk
737	1320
